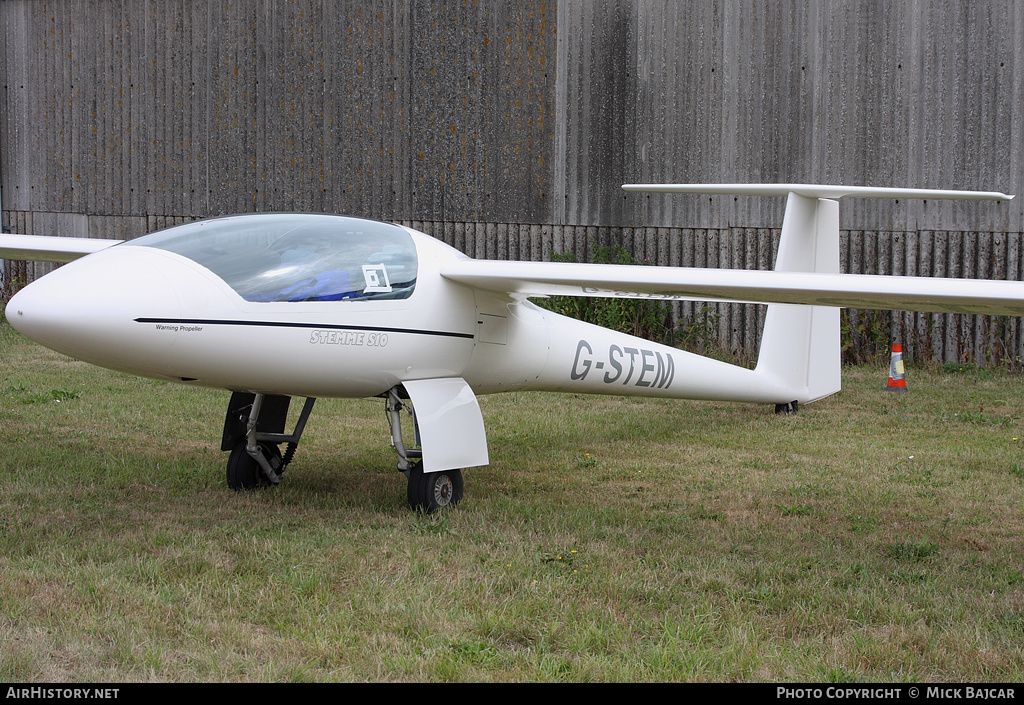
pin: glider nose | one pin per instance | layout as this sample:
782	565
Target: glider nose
86	309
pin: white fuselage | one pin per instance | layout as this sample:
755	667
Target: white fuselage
157	314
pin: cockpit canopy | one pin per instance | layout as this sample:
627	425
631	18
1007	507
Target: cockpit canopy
288	257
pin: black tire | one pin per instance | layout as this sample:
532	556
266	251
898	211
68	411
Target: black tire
430	491
243	472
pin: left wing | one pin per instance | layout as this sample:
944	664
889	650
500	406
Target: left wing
752	286
806	270
42	248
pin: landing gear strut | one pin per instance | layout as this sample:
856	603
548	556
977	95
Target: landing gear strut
253	432
427	491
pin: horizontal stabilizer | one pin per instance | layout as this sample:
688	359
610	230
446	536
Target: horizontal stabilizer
43	248
817	191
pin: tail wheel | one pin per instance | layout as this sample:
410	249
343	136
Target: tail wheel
430	491
787	409
244	472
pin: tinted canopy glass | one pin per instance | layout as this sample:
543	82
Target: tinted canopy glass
288	257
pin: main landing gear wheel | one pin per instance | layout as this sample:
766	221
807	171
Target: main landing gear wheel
430	491
244	472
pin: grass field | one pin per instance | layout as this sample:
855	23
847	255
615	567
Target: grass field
872	537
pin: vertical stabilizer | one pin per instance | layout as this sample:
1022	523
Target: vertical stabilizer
800	345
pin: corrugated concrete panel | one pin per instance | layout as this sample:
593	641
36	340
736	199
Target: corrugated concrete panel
533	112
15	127
921	94
382	108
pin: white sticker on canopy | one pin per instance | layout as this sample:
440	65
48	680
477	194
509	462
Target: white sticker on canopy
376	276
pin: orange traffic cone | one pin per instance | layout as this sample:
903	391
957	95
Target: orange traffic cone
897	373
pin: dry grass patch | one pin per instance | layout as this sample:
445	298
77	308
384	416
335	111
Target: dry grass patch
871	537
